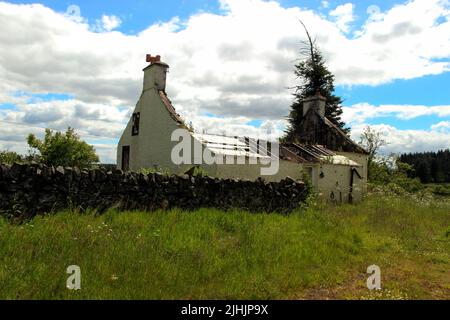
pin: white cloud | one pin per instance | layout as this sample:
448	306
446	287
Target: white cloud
236	64
100	125
443	126
405	141
343	14
67	57
16	142
107	23
401	141
360	112
91	119
374	13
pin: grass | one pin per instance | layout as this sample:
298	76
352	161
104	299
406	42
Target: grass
319	253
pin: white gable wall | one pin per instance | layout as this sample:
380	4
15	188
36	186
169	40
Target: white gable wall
362	160
152	146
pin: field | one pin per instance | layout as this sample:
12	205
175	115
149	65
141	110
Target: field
319	253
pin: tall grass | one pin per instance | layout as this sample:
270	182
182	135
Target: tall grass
210	254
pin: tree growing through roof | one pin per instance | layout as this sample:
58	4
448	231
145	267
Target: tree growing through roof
63	149
314	77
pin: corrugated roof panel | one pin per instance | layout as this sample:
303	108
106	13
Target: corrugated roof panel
232	146
341	160
242	153
210	138
225	146
321	150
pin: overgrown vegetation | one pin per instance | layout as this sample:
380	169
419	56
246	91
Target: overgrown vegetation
387	170
57	149
320	252
439	189
391	172
9	157
193	171
63	149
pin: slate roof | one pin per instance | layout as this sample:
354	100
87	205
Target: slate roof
168	104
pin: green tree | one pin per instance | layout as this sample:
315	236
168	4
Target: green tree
371	140
63	149
423	171
10	157
314	77
430	166
391	171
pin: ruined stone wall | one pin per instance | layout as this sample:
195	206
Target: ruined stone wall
29	190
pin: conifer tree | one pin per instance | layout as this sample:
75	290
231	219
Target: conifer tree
314	77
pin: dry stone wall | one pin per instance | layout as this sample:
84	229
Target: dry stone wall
27	190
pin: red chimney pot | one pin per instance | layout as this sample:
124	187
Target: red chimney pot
151	59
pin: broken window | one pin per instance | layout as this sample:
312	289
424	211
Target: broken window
135	124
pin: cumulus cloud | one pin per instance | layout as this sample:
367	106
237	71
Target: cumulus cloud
237	64
13	138
99	124
405	141
107	23
91	119
68	57
361	112
443	126
401	141
343	14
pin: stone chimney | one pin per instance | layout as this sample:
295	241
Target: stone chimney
155	73
317	103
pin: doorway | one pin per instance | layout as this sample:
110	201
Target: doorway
126	158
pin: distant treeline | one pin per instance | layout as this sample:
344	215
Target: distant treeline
430	167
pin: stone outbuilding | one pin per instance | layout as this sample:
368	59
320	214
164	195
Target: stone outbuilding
336	166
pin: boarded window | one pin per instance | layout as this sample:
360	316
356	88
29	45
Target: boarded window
135	124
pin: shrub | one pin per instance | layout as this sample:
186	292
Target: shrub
9	157
441	190
385	173
63	149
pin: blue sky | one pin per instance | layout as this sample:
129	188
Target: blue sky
405	94
136	15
